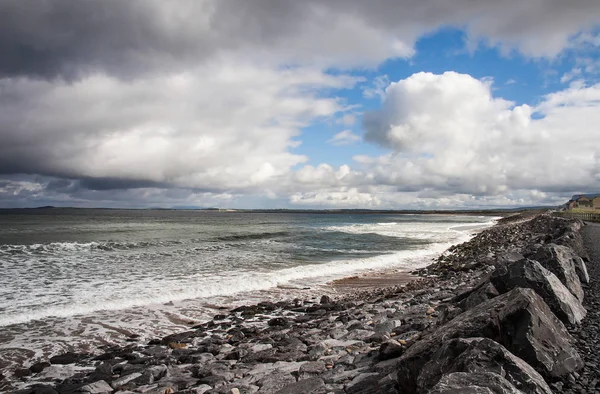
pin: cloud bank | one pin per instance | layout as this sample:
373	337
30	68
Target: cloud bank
204	102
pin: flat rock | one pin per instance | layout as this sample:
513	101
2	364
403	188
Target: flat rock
387	326
475	355
311	369
519	320
99	387
474	383
337	343
275	381
371	383
122	381
531	274
305	386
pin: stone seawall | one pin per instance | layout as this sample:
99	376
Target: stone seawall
491	315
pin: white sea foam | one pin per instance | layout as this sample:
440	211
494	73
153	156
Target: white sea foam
198	286
94	291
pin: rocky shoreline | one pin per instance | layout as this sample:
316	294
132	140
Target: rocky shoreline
495	314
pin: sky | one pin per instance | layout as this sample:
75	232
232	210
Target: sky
313	104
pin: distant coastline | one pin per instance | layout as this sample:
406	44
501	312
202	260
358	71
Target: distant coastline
484	212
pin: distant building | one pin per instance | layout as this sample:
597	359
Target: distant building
585	202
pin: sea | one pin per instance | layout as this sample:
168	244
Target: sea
80	279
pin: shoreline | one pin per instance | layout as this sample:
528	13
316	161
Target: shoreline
399	276
357	340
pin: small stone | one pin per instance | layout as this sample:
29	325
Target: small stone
22	372
203	388
278	322
390	349
304	386
311	369
387	326
66	358
39	367
275	381
99	387
125	379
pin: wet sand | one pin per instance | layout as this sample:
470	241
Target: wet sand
372	281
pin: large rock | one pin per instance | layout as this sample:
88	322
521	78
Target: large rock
484	291
520	320
581	269
571	237
559	260
476	355
531	274
476	383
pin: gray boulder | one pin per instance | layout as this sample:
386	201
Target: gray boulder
520	320
571	237
531	274
474	383
476	355
559	260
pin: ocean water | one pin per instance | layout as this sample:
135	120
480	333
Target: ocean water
73	279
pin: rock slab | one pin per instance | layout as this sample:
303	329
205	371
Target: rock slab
531	274
519	320
477	355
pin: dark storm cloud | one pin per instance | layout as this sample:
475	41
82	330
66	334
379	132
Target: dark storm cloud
51	38
118	183
68	39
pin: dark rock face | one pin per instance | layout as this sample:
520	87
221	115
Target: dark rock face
530	274
520	320
483	292
474	383
571	238
477	355
559	260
